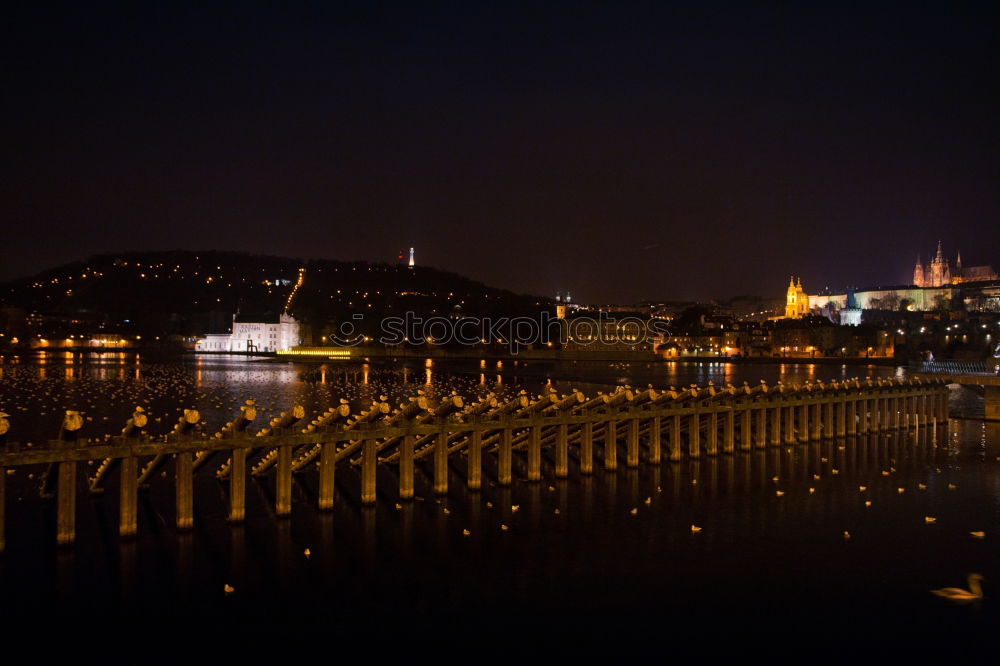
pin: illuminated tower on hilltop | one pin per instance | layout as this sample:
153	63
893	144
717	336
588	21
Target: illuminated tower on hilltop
940	270
411	264
918	273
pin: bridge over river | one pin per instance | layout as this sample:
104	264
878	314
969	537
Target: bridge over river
967	373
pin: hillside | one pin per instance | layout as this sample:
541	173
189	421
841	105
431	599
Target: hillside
189	293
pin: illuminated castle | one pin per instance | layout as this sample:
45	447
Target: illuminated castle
796	300
939	272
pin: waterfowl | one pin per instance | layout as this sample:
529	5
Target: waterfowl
958	594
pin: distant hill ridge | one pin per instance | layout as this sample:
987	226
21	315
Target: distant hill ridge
178	291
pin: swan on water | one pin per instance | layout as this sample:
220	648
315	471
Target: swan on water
958	594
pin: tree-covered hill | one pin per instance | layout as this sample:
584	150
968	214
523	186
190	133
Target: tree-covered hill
188	293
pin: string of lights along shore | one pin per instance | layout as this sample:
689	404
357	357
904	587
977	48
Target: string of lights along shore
701	361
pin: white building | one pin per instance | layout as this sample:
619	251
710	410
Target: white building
215	342
254	334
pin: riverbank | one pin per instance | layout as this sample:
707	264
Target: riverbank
327	354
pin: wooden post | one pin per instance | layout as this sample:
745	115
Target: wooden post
66	504
535	453
712	443
562	451
694	435
504	457
475	455
745	435
729	436
816	423
828	419
327	467
632	443
654	439
776	426
611	445
873	413
237	485
587	447
441	463
761	430
944	404
675	438
369	461
789	411
283	482
184	482
804	421
841	416
852	415
128	497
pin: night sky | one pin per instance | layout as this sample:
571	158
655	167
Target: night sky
623	151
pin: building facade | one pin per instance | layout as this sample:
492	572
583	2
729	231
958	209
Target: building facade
940	272
796	300
254	334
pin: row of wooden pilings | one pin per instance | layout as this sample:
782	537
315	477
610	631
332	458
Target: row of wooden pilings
673	422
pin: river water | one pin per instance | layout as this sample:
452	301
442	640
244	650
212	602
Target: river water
794	560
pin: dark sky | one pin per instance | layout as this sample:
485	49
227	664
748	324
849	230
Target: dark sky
620	150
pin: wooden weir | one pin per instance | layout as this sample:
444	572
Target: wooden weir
651	425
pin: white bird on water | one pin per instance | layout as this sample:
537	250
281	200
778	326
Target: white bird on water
958	594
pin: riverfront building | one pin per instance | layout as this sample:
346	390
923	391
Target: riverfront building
254	334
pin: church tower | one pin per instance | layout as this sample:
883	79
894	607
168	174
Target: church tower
796	300
918	273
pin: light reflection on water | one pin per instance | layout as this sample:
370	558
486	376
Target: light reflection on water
573	559
107	387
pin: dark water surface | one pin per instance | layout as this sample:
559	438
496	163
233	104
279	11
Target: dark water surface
605	563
